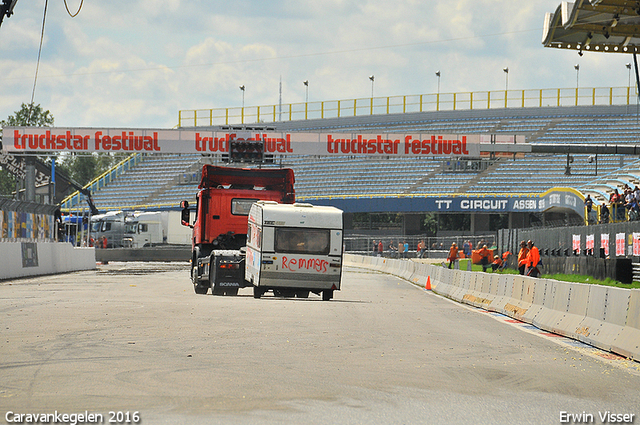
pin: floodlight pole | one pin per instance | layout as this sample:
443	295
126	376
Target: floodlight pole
506	85
438	95
635	64
242	110
372	78
306	98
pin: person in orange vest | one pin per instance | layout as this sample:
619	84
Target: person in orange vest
533	259
453	254
484	258
522	257
497	262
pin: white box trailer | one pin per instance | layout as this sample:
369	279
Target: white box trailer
143	229
294	249
140	229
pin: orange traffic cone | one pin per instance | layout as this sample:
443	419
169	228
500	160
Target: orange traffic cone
427	287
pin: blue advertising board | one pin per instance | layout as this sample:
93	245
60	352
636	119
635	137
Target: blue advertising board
554	199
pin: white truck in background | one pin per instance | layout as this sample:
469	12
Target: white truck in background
294	249
140	229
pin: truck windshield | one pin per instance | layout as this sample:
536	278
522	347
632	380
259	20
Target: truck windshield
302	241
130	228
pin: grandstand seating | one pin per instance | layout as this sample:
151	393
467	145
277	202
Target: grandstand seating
165	180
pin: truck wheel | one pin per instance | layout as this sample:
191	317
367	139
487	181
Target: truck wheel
327	294
257	292
201	290
194	275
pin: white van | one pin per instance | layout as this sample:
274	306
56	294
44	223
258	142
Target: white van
294	249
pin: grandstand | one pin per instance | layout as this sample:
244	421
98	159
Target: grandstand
163	181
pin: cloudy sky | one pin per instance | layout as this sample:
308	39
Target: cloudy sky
135	63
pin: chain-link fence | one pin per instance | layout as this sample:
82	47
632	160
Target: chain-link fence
436	247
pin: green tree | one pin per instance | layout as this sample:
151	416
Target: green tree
28	115
7	183
430	224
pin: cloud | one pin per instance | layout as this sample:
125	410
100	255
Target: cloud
136	63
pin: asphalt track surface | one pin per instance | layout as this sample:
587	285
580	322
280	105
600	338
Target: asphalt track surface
134	337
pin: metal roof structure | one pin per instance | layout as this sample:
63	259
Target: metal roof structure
606	26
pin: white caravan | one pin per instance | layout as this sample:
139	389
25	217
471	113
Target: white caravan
294	249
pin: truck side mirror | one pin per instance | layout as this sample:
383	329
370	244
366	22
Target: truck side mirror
186	215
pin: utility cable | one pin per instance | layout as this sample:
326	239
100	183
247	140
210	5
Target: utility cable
69	12
35	79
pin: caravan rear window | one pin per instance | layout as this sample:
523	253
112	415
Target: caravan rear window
302	241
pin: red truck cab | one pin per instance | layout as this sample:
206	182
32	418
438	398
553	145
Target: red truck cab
220	227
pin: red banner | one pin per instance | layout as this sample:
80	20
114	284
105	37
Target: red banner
48	139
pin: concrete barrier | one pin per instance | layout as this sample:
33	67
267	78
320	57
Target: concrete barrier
627	343
542	288
159	253
576	310
473	295
420	275
513	304
447	282
23	259
554	307
460	284
605	317
504	289
478	294
521	297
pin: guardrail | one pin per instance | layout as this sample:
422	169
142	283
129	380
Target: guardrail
496	99
602	316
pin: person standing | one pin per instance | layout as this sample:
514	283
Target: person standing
466	248
588	202
453	254
375	248
423	250
380	248
533	259
405	250
484	258
522	257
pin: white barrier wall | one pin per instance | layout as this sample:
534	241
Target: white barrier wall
22	259
602	316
